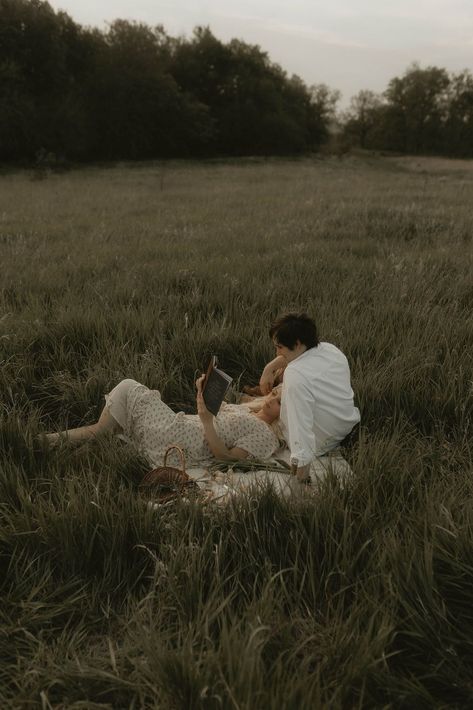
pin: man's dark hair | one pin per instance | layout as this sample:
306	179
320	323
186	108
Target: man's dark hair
291	327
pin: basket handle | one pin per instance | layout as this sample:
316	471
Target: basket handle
181	456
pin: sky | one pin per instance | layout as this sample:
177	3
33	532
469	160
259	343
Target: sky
348	44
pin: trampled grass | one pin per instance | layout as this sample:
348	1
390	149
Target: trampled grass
361	599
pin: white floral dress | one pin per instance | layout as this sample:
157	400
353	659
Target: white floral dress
152	426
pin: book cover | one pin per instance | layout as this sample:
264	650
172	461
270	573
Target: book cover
215	386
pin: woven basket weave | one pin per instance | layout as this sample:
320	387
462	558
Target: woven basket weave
164	483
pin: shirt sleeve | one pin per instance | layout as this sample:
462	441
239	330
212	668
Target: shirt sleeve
298	405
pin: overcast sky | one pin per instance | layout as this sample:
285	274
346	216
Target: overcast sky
347	44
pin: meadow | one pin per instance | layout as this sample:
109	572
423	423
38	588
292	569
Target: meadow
361	598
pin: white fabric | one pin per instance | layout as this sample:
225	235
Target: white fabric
317	409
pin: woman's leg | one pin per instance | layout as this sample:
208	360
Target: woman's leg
106	423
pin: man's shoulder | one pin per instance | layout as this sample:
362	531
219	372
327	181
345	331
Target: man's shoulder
320	352
315	362
330	350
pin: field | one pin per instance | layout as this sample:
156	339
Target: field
362	598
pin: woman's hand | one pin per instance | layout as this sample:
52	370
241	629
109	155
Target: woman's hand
216	445
205	416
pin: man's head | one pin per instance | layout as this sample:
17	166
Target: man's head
293	334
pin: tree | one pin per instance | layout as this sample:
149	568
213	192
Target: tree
323	101
44	58
140	110
417	109
363	118
459	123
256	108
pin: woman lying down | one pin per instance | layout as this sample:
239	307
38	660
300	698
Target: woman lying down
238	431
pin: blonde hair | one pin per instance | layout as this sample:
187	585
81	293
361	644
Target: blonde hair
256	404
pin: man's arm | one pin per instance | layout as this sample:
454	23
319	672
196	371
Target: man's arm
269	373
298	403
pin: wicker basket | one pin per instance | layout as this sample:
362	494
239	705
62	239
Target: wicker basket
165	482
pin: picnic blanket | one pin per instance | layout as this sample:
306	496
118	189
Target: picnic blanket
220	486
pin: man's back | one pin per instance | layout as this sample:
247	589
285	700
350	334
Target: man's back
317	409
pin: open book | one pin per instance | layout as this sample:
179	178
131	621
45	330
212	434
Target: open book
215	386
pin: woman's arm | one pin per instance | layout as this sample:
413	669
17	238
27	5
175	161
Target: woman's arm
217	447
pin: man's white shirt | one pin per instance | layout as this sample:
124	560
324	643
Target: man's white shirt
317	409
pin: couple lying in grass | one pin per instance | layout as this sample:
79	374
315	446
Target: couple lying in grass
312	411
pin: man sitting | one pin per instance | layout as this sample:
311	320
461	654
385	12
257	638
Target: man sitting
317	408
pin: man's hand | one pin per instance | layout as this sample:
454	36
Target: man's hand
205	416
302	473
266	380
270	372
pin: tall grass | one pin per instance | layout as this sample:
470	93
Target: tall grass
361	598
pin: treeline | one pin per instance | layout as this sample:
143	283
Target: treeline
134	92
426	111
